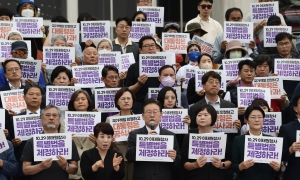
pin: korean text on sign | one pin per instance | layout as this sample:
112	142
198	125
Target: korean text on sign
263	149
153	93
13	100
59	95
126	60
88	75
172	121
225	120
263	10
231	67
62	56
198	77
81	123
30	27
3	142
150	64
289	69
123	125
175	42
210	145
154	147
104	100
206	47
5	28
110	58
31	69
95	30
26	126
2	120
273	82
242	31
5	49
47	146
140	29
245	95
189	73
154	14
272	123
69	30
270	33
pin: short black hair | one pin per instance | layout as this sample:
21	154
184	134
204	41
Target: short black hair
141	41
211	1
296	99
210	109
61	19
151	101
162	93
103	127
248	62
124	19
165	67
120	92
74	96
230	10
83	16
212	74
191	45
8	61
109	68
6	12
204	54
60	69
260	102
262	58
137	13
33	85
252	108
283	35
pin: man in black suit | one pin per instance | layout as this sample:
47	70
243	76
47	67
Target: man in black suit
152	111
291	144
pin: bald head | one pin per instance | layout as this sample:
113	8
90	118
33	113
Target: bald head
90	56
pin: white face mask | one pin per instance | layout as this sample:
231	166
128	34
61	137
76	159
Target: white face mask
235	54
103	50
168	81
206	66
27	13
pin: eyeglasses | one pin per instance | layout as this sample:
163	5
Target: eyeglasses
126	98
113	77
124	27
254	117
149	45
284	44
204	6
149	113
213	82
10	70
141	20
20	51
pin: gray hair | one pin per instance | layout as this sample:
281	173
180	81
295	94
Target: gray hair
105	40
49	106
57	37
12	33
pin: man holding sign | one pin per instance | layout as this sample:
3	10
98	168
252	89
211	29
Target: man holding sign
48	169
152	114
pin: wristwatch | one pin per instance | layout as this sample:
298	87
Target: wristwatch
67	167
223	165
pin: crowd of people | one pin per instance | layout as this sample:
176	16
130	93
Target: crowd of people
98	156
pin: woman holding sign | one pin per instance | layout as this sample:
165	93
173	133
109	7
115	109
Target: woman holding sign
102	162
206	168
249	170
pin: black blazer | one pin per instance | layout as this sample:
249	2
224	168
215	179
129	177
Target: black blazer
151	170
134	48
259	171
288	132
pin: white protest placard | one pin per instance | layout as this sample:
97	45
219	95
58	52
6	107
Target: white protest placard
5	28
263	10
190	72
123	125
60	96
5	49
126	60
150	64
110	58
263	149
288	69
13	100
69	30
275	83
154	14
88	75
225	120
30	27
95	30
245	95
2	120
200	72
81	123
210	145
272	123
26	126
270	33
206	47
175	42
31	69
172	121
140	29
153	93
297	153
230	66
47	146
241	31
154	147
3	142
105	99
58	56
